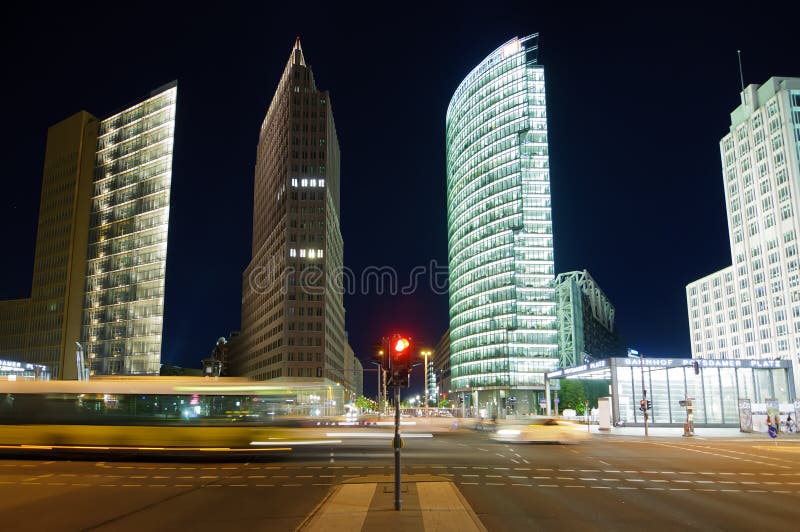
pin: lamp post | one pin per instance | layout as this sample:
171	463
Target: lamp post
426	354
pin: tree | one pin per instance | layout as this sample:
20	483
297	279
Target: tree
572	395
364	403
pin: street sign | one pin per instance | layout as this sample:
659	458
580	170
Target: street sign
773	432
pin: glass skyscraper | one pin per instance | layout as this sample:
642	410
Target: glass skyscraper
99	267
127	253
502	298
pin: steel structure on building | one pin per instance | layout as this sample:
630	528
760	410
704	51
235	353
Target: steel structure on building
578	297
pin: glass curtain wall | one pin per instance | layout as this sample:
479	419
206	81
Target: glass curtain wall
502	299
124	302
715	392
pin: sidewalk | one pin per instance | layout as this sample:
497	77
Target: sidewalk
429	503
699	433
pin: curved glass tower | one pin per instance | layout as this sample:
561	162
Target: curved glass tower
500	234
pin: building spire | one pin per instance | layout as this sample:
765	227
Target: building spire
297	53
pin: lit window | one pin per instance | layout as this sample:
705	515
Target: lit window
321	182
294	182
302	253
292	252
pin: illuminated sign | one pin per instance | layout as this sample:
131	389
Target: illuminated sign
11	365
577	369
670	363
650	362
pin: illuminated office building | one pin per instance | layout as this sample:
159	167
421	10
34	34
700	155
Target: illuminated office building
502	298
292	311
751	309
127	253
98	273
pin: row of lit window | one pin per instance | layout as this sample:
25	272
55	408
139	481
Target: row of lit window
308	182
306	253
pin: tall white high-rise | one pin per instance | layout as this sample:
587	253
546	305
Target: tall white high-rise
752	308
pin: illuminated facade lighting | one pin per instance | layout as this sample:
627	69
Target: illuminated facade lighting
751	309
502	298
126	259
98	273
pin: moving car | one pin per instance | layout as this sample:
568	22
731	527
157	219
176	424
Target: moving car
541	429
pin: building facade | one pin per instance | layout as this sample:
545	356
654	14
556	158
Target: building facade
292	311
353	374
500	234
586	327
101	181
127	254
751	309
441	368
721	392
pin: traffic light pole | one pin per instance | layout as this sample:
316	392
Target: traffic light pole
396	447
644	397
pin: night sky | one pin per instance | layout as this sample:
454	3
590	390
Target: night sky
637	102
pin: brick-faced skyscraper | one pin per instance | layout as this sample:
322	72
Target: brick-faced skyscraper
292	312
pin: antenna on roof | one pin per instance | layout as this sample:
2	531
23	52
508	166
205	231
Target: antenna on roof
741	76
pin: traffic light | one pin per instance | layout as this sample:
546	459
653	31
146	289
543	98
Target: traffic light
643	405
696	367
649	404
400	348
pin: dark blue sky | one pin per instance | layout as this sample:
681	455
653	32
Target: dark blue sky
637	101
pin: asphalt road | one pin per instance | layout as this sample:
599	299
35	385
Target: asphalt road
607	483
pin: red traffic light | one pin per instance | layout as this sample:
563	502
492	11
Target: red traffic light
401	344
400	347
